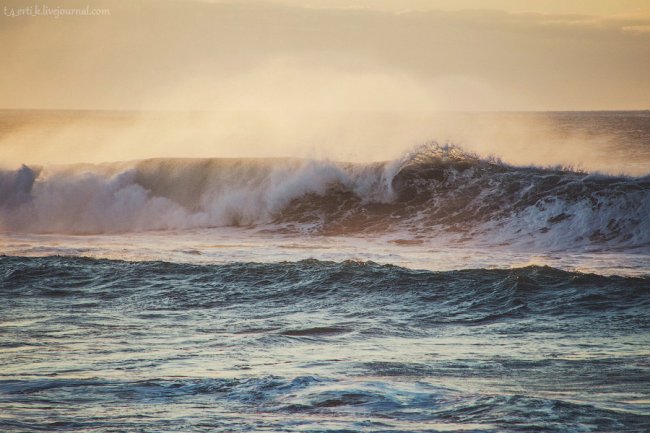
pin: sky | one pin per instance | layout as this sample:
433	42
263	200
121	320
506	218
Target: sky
328	56
585	7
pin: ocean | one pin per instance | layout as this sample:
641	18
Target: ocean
441	291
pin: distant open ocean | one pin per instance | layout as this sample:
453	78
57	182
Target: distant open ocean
439	291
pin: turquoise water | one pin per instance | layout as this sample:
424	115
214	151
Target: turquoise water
102	345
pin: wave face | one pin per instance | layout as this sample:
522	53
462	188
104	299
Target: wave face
319	346
434	190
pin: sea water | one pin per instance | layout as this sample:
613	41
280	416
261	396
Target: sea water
442	291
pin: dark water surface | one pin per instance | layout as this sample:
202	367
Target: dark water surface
98	345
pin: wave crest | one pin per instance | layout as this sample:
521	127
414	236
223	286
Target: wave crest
433	191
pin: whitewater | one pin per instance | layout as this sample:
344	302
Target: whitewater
432	188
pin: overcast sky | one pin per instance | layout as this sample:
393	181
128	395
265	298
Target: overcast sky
330	56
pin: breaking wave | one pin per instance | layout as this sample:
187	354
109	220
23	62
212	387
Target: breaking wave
433	191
